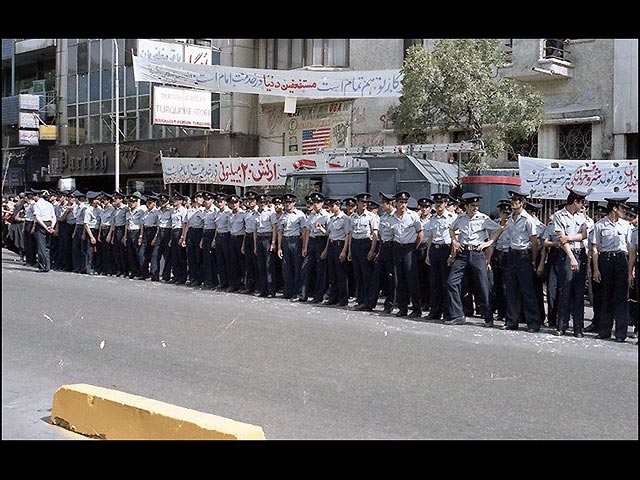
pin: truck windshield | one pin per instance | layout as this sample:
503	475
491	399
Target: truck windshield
300	185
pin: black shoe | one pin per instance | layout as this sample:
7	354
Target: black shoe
315	300
620	340
602	337
508	327
415	314
362	308
489	323
401	313
559	333
578	335
591	328
533	330
271	295
343	304
386	310
456	321
330	302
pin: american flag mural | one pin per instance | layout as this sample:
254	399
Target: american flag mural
314	138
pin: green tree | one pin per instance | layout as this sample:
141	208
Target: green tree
457	87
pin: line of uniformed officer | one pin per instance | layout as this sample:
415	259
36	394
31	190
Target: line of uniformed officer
217	243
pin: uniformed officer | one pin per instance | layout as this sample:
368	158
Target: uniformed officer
382	275
424	210
362	247
209	270
44	217
290	246
148	232
62	231
475	231
633	271
194	226
438	238
571	262
237	229
161	257
91	227
265	239
53	238
521	264
79	236
104	263
611	239
632	217
374	207
250	266
116	233
338	233
534	209
599	212
546	267
221	241
133	216
349	204
178	240
407	237
498	253
278	211
30	247
313	275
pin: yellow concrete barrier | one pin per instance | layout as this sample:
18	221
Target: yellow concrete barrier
113	415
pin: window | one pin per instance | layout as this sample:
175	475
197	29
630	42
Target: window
575	142
286	54
632	145
527	148
554	48
83	58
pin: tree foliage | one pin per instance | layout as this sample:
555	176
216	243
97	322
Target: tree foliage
456	87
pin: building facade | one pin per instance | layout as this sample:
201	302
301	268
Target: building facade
590	88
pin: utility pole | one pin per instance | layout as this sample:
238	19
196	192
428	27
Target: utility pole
117	118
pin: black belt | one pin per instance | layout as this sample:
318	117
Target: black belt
264	234
176	228
613	254
195	228
291	236
223	234
440	245
237	235
165	228
336	241
319	237
468	247
208	229
360	239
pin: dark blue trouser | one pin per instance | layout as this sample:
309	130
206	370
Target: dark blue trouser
161	253
42	238
30	248
520	277
209	270
265	266
146	251
178	257
194	255
473	265
614	287
119	250
313	276
78	249
291	265
235	271
362	268
405	273
338	285
382	277
552	288
222	258
133	252
63	252
91	251
250	266
424	277
570	290
438	275
497	295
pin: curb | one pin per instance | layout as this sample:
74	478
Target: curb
107	414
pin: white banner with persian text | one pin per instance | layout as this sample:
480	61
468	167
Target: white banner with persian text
294	83
552	179
241	171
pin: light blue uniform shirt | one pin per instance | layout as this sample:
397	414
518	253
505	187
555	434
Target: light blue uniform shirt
119	218
437	228
520	230
150	218
236	223
291	223
265	220
223	220
363	226
612	237
105	216
406	230
80	213
92	217
570	224
134	218
210	215
164	217
384	226
195	217
474	231
338	226
313	219
28	212
250	217
178	217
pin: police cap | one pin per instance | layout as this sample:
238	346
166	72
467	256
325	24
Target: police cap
403	195
470	197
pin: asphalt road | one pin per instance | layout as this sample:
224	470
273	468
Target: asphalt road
302	371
